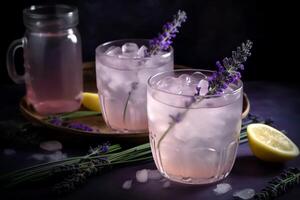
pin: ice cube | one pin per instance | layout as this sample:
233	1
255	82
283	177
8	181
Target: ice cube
169	84
154	174
166	184
196	77
222	188
247	193
113	51
127	184
58	155
185	79
142	176
51	145
9	152
142	51
129	49
203	85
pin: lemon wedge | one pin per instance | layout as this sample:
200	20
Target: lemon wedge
91	101
269	144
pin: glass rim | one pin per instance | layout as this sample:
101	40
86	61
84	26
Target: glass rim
70	11
235	91
166	54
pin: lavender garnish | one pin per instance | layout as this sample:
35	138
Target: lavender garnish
218	82
79	126
164	40
62	121
228	70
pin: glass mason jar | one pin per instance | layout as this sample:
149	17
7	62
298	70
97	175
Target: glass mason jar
52	59
122	83
194	139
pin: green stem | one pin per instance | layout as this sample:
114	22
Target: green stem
126	105
183	114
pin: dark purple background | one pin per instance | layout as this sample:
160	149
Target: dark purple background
214	28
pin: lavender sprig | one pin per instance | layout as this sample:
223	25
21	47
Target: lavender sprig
218	82
164	40
228	70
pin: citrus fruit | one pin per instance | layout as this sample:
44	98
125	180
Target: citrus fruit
270	144
91	101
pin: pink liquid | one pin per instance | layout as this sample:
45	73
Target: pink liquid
53	74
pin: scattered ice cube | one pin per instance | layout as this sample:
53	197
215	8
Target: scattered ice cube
222	188
52	145
247	193
113	51
166	184
9	152
142	176
130	49
38	156
142	51
154	174
203	85
58	155
127	184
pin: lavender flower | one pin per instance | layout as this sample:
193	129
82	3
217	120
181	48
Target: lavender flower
56	121
164	40
79	126
227	72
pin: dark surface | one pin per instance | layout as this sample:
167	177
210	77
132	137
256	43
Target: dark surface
214	28
279	101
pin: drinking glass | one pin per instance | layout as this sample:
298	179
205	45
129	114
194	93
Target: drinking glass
122	71
194	139
52	59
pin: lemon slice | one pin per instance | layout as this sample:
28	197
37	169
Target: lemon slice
269	144
91	101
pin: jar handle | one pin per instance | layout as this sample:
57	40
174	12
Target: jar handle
10	60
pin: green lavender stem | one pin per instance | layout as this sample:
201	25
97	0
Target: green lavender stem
280	184
126	105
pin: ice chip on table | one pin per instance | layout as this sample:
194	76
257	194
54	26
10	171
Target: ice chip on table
113	51
127	184
142	51
203	85
222	188
166	184
9	152
244	194
130	49
154	174
51	145
142	176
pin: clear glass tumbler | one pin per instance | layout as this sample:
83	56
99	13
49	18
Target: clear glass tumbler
52	59
122	81
194	139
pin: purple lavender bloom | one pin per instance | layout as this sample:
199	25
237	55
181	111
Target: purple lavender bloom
56	121
227	72
164	40
79	126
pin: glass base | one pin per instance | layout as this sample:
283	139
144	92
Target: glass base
195	181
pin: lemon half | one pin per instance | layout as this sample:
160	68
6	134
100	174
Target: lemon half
91	101
269	144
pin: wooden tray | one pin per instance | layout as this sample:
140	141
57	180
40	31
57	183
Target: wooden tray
97	122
